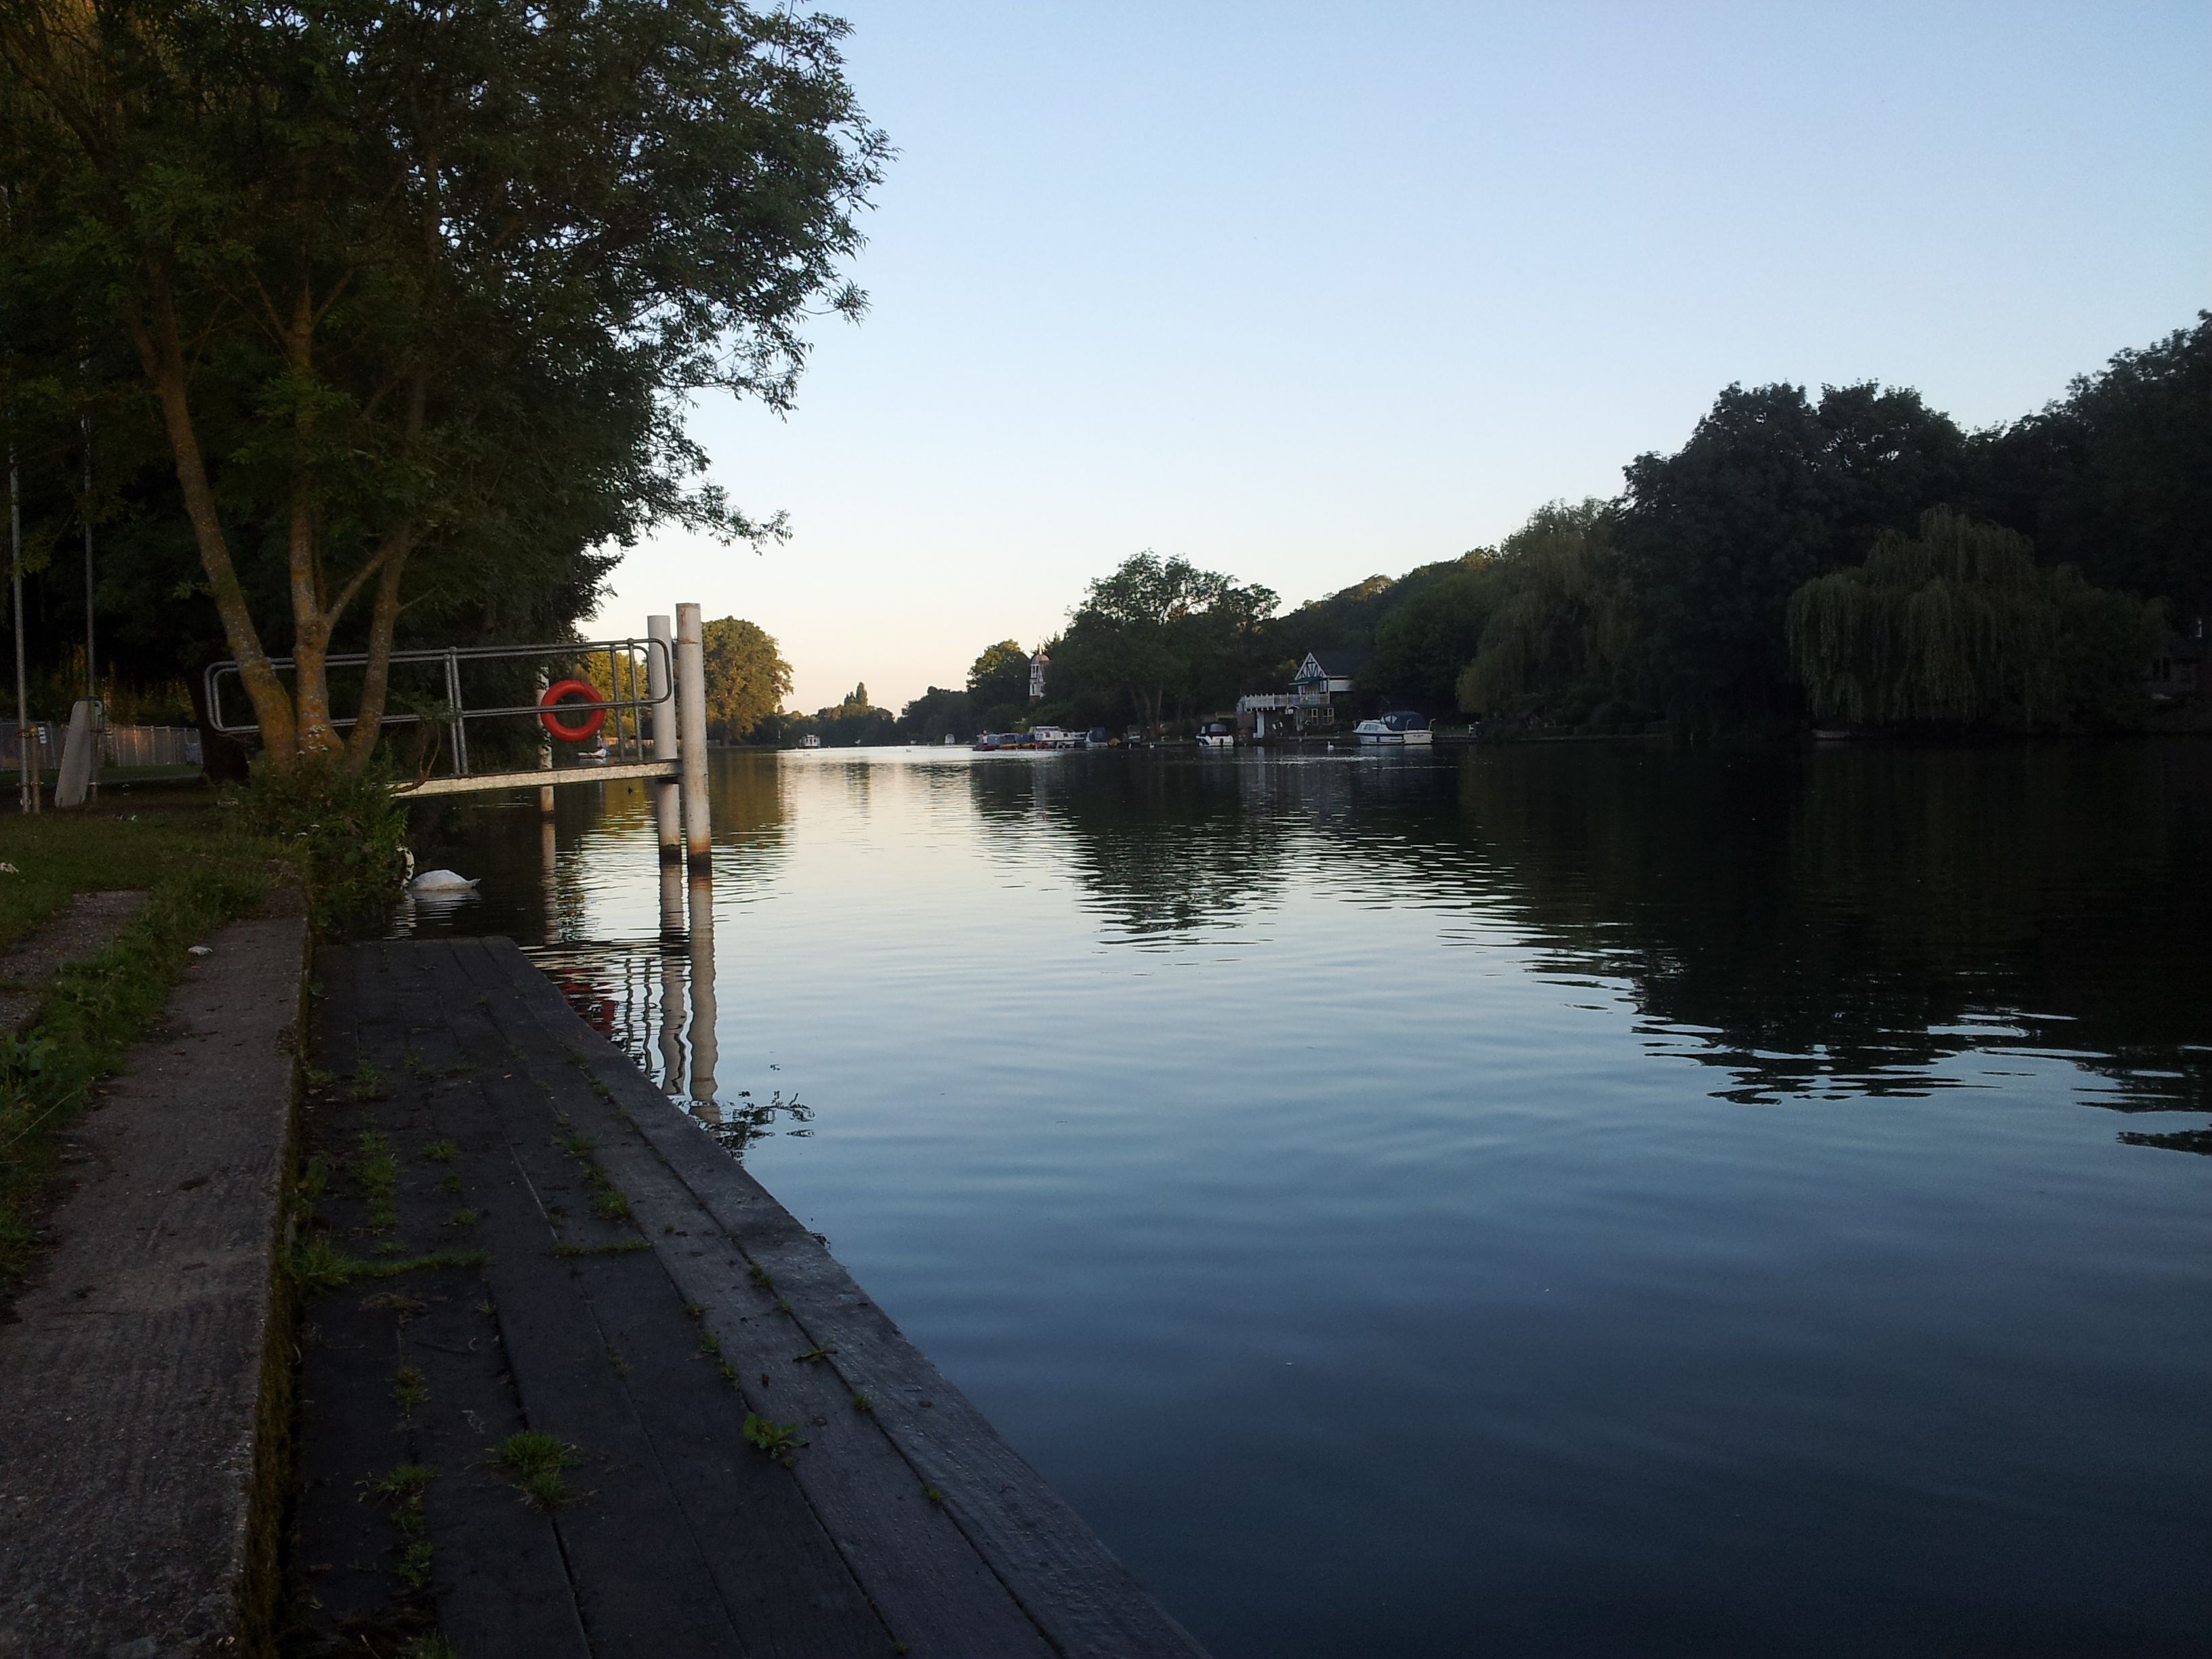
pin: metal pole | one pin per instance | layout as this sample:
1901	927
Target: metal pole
691	718
614	694
26	737
667	809
454	697
98	722
544	758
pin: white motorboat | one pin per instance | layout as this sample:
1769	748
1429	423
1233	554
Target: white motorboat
1402	726
1217	734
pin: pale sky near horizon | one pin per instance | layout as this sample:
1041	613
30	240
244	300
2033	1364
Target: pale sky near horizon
1307	293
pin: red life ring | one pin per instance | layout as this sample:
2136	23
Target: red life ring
548	711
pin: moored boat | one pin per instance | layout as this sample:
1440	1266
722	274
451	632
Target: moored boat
1402	726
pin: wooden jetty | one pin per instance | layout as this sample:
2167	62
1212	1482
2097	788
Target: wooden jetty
510	1230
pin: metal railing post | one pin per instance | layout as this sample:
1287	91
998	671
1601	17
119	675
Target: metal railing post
460	720
667	742
614	691
691	721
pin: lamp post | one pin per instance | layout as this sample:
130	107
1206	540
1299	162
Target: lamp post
27	736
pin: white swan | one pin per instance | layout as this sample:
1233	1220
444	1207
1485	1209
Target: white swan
441	881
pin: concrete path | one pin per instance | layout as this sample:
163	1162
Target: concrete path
84	928
531	1238
132	1386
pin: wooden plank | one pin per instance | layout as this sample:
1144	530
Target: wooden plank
1086	1602
932	1589
640	1574
499	1583
781	1575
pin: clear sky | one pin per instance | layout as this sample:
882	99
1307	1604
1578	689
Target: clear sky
1306	292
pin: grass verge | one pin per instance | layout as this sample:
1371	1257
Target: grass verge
198	870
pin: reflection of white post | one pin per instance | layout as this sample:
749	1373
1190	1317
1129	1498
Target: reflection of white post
549	852
671	904
705	1051
672	966
691	745
666	744
545	753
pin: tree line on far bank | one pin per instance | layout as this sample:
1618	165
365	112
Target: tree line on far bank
1854	557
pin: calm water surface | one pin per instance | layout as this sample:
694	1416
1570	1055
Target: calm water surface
1550	1200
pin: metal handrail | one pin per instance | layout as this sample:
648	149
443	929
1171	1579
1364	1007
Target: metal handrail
640	652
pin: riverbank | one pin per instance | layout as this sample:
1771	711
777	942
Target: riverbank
606	1394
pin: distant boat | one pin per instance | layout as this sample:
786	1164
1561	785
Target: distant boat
949	739
1217	734
810	741
1400	725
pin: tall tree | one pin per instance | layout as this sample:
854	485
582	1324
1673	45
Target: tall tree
747	678
999	678
418	292
2117	476
1771	490
1167	634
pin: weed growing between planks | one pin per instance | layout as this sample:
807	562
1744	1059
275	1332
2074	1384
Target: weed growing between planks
534	1461
316	1264
778	1440
402	1490
200	871
607	1200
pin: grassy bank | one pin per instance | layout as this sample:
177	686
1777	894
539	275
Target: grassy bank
198	870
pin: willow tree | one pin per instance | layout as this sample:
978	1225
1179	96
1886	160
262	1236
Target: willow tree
1957	623
1556	615
419	290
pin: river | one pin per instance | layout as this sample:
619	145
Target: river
1559	1198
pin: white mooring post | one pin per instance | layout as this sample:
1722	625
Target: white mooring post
667	741
544	759
692	746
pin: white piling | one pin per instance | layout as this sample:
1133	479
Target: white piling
667	740
545	753
691	749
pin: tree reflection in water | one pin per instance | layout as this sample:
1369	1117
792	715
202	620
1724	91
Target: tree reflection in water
1825	924
1835	922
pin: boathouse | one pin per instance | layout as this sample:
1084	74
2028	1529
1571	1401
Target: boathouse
1322	677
